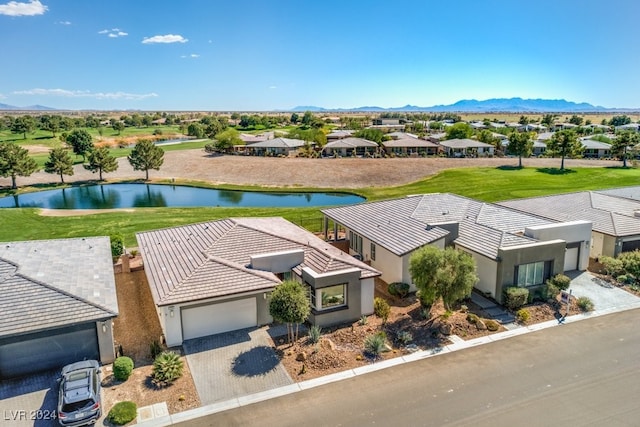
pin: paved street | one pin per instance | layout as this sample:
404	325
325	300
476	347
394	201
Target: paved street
582	373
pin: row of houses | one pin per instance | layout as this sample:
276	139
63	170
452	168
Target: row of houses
59	297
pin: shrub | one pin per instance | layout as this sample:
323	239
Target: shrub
155	349
631	262
314	333
516	297
612	266
585	304
561	281
492	325
399	289
405	337
623	278
551	290
363	320
523	315
117	245
122	368
374	344
167	368
123	413
134	253
381	309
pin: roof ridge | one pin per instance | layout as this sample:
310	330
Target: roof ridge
65	293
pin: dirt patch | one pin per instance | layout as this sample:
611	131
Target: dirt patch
135	328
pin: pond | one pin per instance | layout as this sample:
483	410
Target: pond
112	196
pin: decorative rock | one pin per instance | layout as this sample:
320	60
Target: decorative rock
301	357
328	344
411	348
445	329
481	325
387	348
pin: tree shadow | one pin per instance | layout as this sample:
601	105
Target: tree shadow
555	171
509	168
258	361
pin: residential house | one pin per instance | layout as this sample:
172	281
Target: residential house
339	134
616	224
595	149
466	148
510	248
276	147
217	276
411	146
351	146
58	300
630	126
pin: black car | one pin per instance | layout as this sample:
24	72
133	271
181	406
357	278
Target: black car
79	401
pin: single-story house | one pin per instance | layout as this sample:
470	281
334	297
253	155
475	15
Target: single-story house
595	149
248	138
58	300
537	149
411	146
276	147
629	126
217	276
616	226
339	134
466	148
401	135
510	248
350	147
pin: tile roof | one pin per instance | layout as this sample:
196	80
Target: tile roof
350	142
626	192
609	214
409	142
278	143
403	225
464	143
211	259
54	283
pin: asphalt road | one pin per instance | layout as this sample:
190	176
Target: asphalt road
580	374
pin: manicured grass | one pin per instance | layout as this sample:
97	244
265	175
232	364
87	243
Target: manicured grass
486	184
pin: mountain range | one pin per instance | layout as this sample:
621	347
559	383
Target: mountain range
29	108
503	105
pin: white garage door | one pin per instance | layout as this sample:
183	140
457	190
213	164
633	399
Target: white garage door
571	259
217	318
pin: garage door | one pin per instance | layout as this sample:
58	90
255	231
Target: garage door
217	318
27	354
630	246
571	259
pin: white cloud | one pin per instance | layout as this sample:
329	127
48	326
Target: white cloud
14	8
113	33
273	87
64	22
168	38
193	55
86	94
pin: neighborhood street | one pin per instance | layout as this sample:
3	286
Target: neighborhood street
582	373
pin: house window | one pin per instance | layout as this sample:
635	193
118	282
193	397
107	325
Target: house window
329	297
531	274
355	242
373	252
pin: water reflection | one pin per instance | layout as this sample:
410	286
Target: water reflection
112	196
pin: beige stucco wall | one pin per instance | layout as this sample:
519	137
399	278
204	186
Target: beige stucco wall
487	271
105	341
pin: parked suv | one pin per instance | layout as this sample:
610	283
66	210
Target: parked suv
79	398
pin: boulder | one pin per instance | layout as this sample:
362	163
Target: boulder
481	325
301	357
445	329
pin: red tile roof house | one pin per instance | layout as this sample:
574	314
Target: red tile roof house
58	300
214	277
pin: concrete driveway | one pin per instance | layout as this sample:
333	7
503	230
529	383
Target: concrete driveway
604	295
29	401
234	364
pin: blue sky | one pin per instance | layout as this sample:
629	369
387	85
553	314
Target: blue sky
265	55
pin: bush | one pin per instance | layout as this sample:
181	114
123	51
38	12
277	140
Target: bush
523	315
516	297
560	281
585	304
612	266
631	262
167	368
363	320
405	337
123	413
374	344
551	291
492	325
155	349
314	333
122	368
117	245
399	289
381	309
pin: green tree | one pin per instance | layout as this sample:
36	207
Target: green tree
565	143
15	161
294	118
620	120
448	274
59	162
195	129
459	131
101	161
117	126
225	141
524	120
621	144
520	144
289	304
80	142
146	155
487	137
23	125
576	120
548	119
374	135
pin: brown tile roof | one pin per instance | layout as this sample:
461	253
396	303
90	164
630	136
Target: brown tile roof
211	259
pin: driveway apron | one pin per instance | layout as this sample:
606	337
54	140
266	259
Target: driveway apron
234	364
29	401
604	295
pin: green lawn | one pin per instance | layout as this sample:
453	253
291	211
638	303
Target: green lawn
487	184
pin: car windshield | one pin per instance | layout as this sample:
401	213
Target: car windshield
76	406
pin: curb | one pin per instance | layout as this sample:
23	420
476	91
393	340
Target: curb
363	370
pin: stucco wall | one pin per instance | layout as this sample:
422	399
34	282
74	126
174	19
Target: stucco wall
353	309
105	341
570	232
487	271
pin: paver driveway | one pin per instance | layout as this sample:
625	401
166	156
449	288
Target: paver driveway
29	401
234	364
